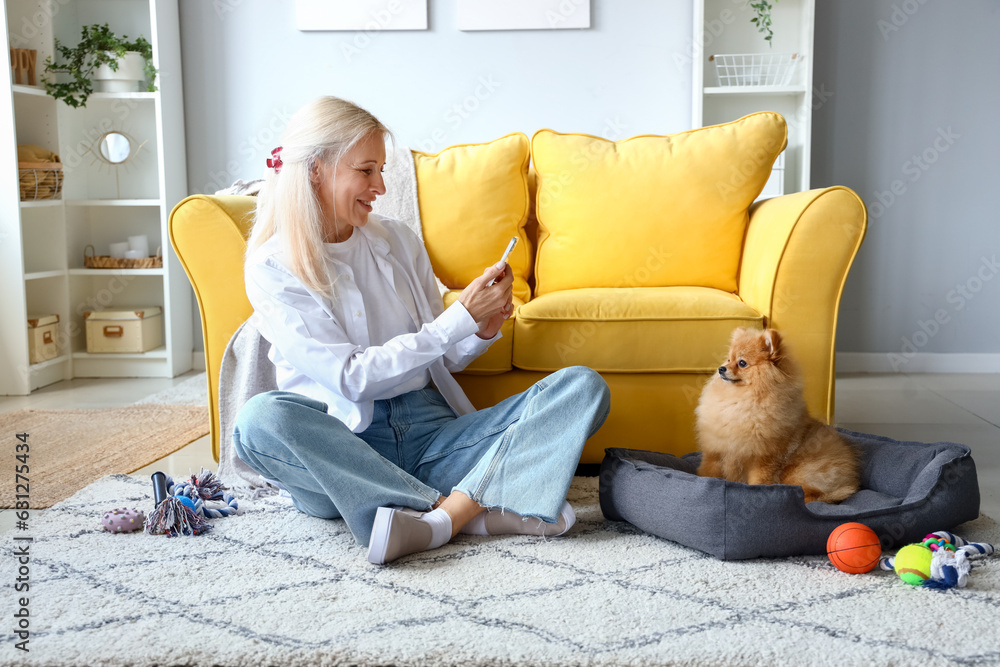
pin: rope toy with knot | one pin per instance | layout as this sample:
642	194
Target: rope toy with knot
941	561
181	510
203	487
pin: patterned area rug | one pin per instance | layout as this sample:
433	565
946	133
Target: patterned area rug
274	586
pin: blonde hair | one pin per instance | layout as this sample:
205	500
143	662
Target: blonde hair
323	130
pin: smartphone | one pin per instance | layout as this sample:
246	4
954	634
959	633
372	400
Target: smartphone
506	253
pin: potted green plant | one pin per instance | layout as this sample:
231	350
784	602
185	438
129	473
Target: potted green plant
101	54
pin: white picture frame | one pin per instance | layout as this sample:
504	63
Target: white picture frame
523	14
358	15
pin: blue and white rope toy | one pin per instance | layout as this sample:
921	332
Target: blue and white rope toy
203	487
949	563
181	509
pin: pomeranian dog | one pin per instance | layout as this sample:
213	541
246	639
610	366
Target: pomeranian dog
754	427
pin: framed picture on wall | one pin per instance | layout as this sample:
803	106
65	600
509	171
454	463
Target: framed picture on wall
523	14
361	15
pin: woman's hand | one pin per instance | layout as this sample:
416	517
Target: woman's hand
490	305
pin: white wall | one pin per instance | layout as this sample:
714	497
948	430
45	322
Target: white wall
885	95
247	68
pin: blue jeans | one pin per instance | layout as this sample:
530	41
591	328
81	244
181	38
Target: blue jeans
519	455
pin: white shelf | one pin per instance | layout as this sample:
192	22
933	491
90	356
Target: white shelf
157	353
39	275
47	372
114	202
95	207
43	365
712	104
116	272
755	90
125	96
20	89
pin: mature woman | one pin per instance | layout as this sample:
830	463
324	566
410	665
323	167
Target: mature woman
368	423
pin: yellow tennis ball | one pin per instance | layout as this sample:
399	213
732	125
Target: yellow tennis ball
913	564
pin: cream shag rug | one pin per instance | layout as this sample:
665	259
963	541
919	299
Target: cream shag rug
192	391
273	586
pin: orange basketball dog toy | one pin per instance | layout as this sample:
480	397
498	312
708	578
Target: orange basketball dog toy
853	548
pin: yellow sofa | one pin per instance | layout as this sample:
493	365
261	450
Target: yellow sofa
638	258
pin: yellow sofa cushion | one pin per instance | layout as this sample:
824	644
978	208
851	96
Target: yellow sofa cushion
650	211
497	358
632	329
473	198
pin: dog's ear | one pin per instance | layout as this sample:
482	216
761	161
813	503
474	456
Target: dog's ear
772	341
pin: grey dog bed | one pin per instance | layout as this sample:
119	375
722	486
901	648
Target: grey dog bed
908	489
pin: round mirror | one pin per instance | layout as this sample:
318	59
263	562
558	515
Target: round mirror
115	147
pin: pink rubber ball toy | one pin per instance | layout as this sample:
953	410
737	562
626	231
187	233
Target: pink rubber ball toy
123	520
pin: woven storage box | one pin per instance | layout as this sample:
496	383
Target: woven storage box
122	331
42	335
40	180
107	262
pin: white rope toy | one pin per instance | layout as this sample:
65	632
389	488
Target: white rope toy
201	488
954	566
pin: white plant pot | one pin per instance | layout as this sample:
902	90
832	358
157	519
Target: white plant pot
126	79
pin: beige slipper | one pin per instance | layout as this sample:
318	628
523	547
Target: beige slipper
396	534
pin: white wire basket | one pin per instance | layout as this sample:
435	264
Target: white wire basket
755	69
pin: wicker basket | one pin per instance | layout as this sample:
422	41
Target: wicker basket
106	262
40	180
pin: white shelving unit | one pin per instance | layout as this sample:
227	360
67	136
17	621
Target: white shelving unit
723	27
42	243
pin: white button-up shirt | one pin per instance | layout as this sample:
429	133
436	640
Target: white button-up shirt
320	348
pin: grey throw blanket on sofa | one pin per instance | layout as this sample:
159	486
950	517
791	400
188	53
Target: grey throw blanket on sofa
246	371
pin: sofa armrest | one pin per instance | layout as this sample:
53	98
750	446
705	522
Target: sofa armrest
796	255
209	235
